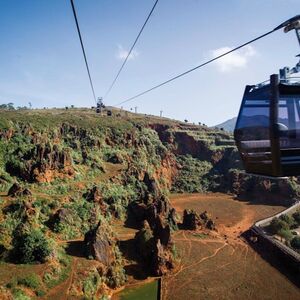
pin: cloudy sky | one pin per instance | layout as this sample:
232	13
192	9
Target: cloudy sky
41	59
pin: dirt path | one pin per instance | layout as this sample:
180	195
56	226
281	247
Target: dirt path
60	292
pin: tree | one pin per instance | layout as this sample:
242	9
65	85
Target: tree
10	106
296	217
286	234
277	224
295	243
287	219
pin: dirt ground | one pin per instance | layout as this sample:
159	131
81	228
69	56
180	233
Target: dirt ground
222	265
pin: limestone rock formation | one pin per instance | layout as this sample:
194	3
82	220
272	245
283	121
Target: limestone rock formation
191	220
94	195
155	249
99	243
62	217
16	190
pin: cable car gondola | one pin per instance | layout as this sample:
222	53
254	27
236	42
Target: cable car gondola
267	132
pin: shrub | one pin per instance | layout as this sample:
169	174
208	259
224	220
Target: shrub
277	224
91	284
18	294
32	246
296	217
191	178
286	234
295	243
32	281
287	219
40	293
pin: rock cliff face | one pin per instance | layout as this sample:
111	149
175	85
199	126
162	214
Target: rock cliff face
43	163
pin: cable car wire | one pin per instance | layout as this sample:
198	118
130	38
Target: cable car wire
83	50
197	67
129	53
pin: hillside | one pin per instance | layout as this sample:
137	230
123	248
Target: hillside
227	125
85	206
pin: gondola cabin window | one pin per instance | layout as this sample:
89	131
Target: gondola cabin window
289	122
253	125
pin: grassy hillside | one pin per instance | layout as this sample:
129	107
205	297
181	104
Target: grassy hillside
80	193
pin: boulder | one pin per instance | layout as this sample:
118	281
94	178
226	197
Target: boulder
210	224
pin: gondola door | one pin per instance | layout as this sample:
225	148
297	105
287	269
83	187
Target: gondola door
252	131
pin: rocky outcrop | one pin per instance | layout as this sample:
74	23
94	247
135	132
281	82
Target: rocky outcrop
155	249
60	219
43	164
16	190
207	221
158	218
155	213
99	244
93	195
193	221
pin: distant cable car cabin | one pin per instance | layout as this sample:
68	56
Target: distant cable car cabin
267	132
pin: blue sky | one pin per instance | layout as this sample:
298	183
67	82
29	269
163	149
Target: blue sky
41	59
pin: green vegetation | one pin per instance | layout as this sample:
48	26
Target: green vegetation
31	281
192	177
295	243
91	284
19	294
32	246
284	226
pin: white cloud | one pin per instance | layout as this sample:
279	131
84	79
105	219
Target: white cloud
122	53
234	60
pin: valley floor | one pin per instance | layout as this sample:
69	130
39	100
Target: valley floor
222	265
